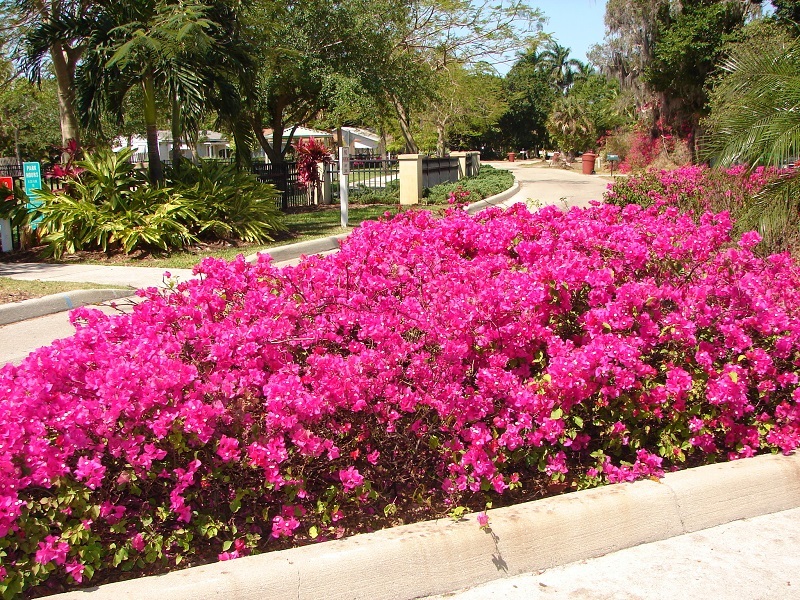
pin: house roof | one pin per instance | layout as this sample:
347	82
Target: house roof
363	133
302	132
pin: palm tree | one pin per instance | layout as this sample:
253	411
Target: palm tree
54	33
755	120
571	126
562	68
149	45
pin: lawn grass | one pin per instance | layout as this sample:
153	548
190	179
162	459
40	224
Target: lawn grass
303	225
15	290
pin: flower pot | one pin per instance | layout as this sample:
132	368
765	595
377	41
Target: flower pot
588	162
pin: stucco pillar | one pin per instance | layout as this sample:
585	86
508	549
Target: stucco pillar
410	174
463	163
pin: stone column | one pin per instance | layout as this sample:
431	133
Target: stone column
463	163
410	174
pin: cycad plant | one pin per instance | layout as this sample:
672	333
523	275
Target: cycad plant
755	120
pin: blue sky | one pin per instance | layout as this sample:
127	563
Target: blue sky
576	24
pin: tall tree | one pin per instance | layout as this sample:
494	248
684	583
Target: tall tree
562	69
435	34
54	32
530	94
310	53
148	45
663	52
28	117
689	46
467	103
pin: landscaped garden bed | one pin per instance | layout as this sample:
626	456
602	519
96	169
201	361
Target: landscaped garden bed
432	364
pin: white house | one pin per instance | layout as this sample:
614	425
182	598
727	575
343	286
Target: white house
210	144
360	140
300	133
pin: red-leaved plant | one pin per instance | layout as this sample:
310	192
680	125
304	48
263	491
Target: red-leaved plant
310	154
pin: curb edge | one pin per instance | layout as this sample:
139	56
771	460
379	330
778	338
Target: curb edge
54	303
437	557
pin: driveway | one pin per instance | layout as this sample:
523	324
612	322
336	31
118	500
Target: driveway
553	185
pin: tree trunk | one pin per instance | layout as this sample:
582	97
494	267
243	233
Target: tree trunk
405	127
16	145
176	132
64	69
153	158
275	157
441	139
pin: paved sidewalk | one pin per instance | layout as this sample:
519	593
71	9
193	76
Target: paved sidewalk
751	559
135	277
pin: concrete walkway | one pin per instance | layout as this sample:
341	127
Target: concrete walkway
553	185
134	277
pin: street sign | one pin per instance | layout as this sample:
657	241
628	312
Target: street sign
344	161
32	173
6	241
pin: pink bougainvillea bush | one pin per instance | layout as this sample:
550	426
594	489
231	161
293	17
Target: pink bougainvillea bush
432	363
700	189
697	188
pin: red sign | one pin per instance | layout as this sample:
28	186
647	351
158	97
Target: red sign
7	182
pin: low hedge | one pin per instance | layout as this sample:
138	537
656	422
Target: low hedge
488	182
432	364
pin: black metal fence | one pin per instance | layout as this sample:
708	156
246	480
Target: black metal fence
285	178
439	170
366	173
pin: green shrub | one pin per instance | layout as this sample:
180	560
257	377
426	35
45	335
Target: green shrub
109	205
228	203
388	195
488	182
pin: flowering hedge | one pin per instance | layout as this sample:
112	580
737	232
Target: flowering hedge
697	188
431	363
700	189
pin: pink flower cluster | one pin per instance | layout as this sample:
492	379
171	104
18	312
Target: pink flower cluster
694	187
428	358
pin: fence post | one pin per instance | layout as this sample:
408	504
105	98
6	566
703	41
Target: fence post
463	163
325	184
410	174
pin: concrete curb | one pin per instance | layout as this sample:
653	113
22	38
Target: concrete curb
291	251
47	305
436	557
492	200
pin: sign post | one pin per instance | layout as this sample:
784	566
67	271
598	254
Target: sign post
6	241
32	172
344	173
